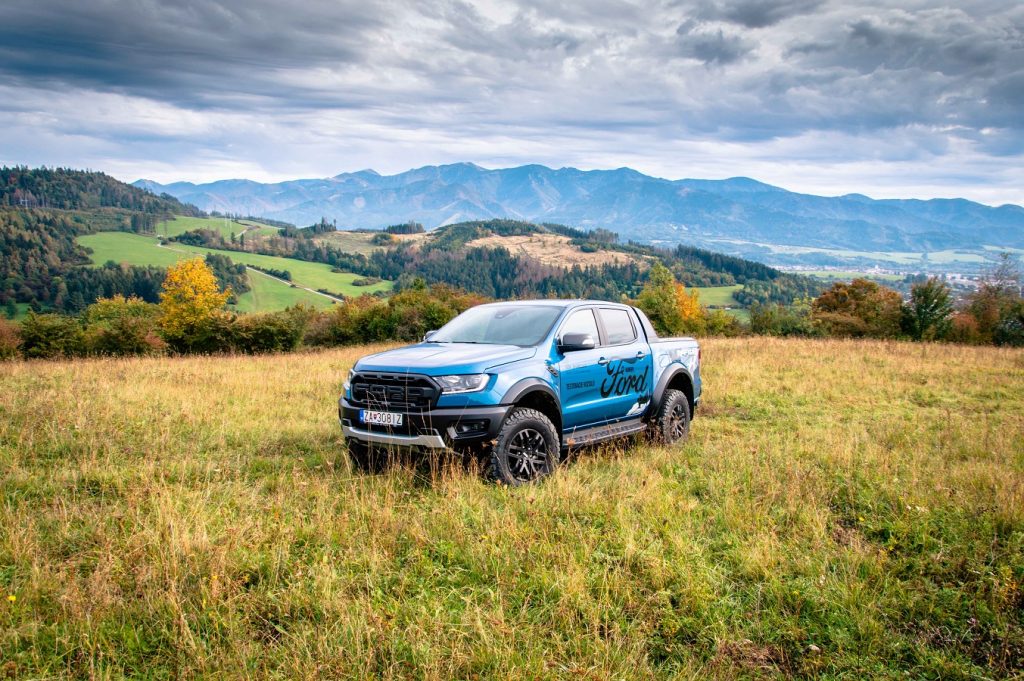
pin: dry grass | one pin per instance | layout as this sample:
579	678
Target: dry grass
555	250
842	509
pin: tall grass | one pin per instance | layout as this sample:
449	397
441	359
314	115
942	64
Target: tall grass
842	509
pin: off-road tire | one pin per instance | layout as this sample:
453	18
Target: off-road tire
364	457
671	425
527	448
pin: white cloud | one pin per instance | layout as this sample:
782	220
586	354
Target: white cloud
909	100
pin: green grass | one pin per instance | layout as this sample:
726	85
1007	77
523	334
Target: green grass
846	510
352	242
267	293
142	250
181	224
23	309
718	296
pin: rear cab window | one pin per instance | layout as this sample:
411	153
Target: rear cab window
618	325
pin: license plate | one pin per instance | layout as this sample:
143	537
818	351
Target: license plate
380	418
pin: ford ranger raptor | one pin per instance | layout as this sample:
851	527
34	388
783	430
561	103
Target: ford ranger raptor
520	383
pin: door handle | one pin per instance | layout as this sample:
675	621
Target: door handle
640	354
602	361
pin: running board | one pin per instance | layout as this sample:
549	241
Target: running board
589	436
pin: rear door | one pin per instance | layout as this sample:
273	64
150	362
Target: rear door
627	376
580	374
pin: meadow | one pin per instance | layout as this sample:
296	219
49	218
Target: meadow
267	294
842	509
180	224
718	296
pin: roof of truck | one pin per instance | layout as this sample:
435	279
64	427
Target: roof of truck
561	302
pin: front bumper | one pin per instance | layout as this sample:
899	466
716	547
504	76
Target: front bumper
441	428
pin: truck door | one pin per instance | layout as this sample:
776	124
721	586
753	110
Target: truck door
580	373
627	377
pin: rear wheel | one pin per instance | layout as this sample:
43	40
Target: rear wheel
527	448
672	423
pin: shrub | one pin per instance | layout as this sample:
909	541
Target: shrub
50	335
721	323
1010	330
122	326
860	308
964	329
10	339
782	320
271	332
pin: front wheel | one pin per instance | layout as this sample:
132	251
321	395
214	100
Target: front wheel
527	448
672	423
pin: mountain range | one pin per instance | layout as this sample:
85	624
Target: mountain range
737	215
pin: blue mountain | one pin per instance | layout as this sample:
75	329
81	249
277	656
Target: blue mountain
738	214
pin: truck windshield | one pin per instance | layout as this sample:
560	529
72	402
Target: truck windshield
500	325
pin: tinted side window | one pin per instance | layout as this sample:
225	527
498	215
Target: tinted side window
618	325
581	321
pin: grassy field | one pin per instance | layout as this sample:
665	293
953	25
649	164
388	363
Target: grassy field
223	226
351	242
842	509
142	250
719	296
267	293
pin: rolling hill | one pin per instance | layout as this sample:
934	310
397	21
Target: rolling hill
738	215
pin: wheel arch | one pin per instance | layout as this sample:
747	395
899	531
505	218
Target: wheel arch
675	378
533	393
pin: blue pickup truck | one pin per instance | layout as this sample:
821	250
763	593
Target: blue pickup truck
519	383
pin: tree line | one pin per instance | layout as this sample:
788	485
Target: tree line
190	316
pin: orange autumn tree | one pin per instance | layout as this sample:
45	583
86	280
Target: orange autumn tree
190	302
671	308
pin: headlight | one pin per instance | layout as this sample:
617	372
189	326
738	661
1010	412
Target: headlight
462	384
348	380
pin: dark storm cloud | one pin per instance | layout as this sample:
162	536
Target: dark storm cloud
711	46
757	13
188	52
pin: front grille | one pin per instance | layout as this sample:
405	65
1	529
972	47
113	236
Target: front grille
401	392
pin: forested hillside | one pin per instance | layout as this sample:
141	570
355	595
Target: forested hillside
45	212
42	213
67	189
473	256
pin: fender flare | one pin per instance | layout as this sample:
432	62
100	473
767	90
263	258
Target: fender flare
667	376
529	385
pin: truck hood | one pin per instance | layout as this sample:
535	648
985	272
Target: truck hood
438	359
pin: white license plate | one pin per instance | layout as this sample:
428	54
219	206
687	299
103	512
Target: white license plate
380	418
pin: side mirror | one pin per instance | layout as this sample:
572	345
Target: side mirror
428	335
577	341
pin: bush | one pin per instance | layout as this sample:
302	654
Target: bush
122	326
405	316
964	329
10	339
271	332
1010	330
781	320
721	323
860	308
50	335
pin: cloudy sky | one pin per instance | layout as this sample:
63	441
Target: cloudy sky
891	99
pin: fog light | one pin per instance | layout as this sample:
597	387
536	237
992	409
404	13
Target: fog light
464	428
